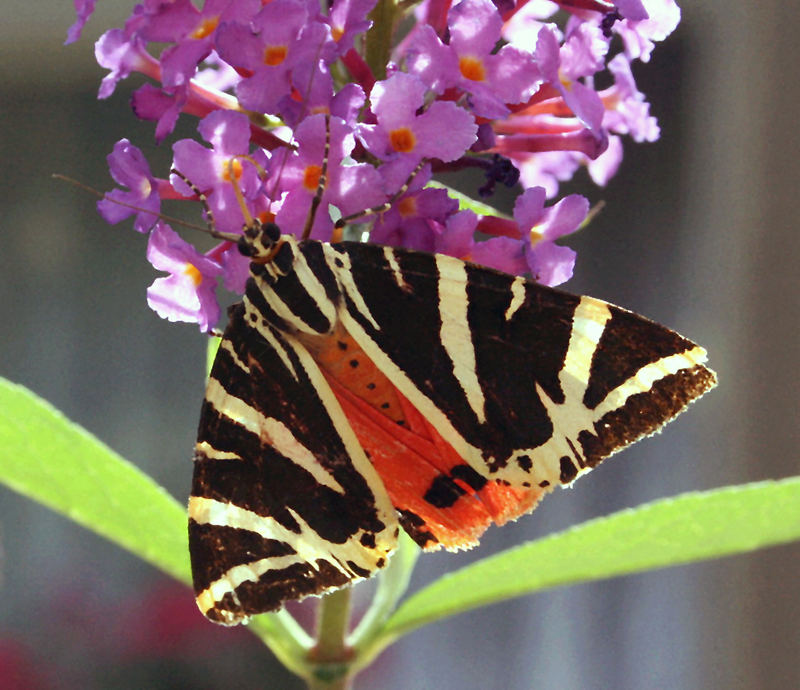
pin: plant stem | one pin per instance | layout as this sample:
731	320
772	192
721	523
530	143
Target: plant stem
331	656
379	37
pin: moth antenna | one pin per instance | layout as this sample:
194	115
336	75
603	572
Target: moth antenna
163	216
200	195
377	210
262	174
249	221
322	182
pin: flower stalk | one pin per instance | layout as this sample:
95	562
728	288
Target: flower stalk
330	658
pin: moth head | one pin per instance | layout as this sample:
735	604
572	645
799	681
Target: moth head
259	240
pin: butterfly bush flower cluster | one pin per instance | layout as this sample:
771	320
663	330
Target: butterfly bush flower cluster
310	112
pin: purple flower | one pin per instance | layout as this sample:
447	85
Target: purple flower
444	130
584	51
639	37
192	31
527	244
121	54
632	9
215	171
180	20
129	168
348	102
189	292
349	188
522	28
317	89
458	239
235	266
469	63
415	220
348	18
547	169
554	138
279	38
501	253
562	73
160	106
83	10
627	112
605	166
216	74
549	263
296	144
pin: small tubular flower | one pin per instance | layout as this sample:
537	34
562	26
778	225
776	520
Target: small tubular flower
189	292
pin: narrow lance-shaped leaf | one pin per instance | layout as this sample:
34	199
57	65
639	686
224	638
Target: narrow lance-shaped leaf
49	459
54	461
687	528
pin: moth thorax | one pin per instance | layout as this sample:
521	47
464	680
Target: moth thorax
291	296
259	240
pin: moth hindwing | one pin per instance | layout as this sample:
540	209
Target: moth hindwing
358	388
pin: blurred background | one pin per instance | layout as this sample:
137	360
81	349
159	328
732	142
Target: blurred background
699	233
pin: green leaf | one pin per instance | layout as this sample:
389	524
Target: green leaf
54	461
690	527
50	459
211	352
467	202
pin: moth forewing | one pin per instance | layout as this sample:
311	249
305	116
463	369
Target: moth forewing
517	364
284	502
503	389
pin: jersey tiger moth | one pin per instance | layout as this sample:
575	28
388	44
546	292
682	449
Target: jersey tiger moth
361	388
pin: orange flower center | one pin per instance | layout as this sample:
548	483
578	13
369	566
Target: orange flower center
407	207
205	28
311	177
194	275
402	140
472	68
274	55
232	170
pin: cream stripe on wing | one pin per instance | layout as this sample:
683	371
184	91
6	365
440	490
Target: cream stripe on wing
644	379
588	323
227	345
456	335
388	253
309	547
517	297
471	454
265	332
344	274
212	453
312	285
385	510
271	431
